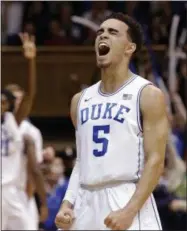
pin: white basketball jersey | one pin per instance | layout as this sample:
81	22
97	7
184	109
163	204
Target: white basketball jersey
26	128
11	150
109	134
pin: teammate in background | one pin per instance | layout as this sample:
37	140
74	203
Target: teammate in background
31	181
13	209
32	175
121	134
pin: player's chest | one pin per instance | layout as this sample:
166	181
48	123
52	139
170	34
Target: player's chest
6	134
9	138
116	111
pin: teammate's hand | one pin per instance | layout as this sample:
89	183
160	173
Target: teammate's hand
119	220
43	213
178	205
29	46
64	218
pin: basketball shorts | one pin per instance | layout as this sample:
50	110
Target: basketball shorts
33	215
94	205
14	213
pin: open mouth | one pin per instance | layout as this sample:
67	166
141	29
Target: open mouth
103	49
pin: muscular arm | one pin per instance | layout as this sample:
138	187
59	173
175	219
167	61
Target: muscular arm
73	186
34	169
155	132
26	104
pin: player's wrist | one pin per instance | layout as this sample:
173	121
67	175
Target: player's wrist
66	204
132	210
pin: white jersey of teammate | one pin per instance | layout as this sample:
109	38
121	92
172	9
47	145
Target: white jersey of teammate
13	207
27	128
109	134
11	150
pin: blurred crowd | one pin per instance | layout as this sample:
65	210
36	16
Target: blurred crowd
51	22
56	168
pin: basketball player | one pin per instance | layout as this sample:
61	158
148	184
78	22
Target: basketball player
31	171
32	179
13	210
121	132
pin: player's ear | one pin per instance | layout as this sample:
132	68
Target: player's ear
130	49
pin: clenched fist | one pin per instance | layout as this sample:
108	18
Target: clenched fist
29	46
119	220
64	218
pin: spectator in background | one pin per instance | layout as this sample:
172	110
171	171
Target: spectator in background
48	154
48	158
99	11
182	81
12	16
57	36
172	209
69	29
14	39
69	155
57	186
39	15
158	30
137	10
160	23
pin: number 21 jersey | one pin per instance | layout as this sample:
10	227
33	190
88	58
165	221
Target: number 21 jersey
11	150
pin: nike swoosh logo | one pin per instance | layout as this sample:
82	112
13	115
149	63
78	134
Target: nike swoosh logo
86	100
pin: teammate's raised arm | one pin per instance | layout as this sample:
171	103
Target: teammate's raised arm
29	50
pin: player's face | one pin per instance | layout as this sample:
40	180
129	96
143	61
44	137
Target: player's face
111	43
19	97
4	104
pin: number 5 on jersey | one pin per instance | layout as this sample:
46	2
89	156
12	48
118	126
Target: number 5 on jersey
100	140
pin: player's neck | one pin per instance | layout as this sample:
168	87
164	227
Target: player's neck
114	77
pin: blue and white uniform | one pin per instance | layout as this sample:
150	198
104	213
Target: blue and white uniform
27	128
110	157
13	203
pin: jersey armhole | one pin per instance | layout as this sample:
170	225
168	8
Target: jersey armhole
78	106
139	113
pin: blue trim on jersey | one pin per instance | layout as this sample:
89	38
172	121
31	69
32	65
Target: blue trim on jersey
157	219
138	171
138	106
78	106
124	85
139	220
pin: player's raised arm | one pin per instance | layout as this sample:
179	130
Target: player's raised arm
65	215
155	130
29	50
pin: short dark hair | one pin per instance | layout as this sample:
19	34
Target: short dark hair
135	30
10	97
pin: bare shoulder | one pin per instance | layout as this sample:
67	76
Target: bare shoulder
73	109
76	98
152	101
